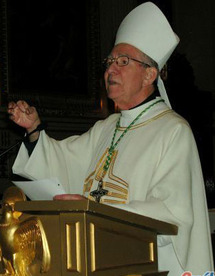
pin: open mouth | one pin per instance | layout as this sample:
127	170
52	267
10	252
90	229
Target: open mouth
111	81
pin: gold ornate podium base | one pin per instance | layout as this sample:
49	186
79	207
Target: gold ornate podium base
91	239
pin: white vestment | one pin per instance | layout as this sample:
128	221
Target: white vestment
155	171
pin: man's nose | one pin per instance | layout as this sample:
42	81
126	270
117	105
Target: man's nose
112	67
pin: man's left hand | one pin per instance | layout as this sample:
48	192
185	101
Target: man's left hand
69	197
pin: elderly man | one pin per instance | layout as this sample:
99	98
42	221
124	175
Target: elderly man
144	159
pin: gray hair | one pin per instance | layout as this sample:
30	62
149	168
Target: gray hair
152	63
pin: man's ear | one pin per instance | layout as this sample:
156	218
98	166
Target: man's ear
150	75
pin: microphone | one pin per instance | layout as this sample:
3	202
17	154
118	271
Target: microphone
38	128
10	148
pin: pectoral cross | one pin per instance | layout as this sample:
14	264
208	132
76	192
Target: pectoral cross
99	192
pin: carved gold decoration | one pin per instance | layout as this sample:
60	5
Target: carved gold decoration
73	247
21	242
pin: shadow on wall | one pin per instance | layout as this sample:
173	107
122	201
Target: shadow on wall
196	107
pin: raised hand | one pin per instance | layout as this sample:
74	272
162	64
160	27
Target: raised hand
25	116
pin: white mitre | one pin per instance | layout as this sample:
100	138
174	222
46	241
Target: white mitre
147	29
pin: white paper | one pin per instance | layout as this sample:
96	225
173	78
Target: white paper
43	189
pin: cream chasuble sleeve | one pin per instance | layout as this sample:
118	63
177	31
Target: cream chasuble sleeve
68	159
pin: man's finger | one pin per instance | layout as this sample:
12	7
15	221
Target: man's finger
22	106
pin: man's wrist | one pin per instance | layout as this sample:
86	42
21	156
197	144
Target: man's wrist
32	128
33	135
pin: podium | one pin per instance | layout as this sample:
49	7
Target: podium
91	239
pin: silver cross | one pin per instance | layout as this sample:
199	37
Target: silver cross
99	192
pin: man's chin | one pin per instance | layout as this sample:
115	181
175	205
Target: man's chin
112	94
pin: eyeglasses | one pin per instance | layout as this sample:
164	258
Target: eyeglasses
121	61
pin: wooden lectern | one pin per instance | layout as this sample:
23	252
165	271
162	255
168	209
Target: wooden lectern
91	239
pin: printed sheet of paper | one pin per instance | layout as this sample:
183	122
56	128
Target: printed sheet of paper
43	189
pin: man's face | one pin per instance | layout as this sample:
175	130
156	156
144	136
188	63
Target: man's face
125	85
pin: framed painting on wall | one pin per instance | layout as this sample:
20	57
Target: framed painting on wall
50	54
